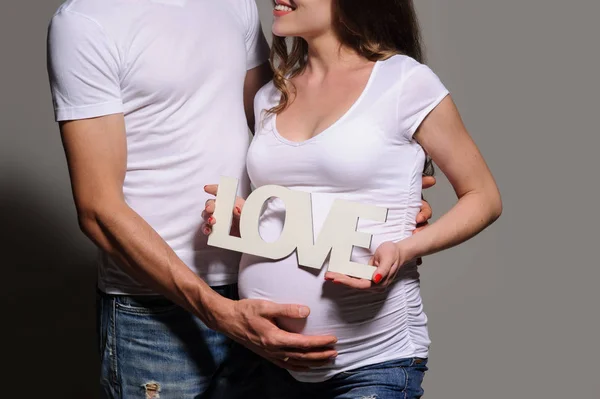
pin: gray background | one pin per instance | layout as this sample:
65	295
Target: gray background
513	313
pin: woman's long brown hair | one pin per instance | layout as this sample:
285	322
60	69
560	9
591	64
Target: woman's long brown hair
375	29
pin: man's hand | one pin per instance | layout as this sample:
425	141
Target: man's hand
209	210
426	212
252	323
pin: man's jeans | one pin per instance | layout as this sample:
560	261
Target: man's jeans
389	380
151	348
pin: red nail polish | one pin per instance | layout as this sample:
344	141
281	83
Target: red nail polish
238	210
211	220
377	278
328	279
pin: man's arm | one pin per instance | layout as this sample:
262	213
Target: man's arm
255	79
96	155
258	69
84	68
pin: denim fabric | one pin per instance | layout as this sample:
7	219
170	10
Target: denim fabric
151	348
398	379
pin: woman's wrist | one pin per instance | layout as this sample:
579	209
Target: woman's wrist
408	250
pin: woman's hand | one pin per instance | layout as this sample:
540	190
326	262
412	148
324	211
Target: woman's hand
388	259
209	210
387	251
385	258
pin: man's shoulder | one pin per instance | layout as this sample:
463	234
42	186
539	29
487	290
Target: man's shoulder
244	10
98	11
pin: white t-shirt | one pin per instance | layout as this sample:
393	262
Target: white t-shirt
175	69
368	156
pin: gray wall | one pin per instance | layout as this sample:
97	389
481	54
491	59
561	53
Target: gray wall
513	313
48	279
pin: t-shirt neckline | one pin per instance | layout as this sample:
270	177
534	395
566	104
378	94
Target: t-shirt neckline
331	127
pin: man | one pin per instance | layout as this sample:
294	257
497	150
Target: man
154	98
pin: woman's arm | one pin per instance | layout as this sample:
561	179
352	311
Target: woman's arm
445	138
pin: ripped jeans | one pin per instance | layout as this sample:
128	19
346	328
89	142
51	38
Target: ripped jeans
151	348
397	379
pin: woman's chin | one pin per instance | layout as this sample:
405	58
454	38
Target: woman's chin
279	29
280	32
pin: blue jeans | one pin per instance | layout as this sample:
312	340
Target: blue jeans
390	380
151	348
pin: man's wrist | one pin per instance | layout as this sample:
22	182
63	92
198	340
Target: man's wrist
215	309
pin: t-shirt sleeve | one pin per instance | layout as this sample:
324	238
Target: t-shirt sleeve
83	68
421	92
267	95
257	48
258	109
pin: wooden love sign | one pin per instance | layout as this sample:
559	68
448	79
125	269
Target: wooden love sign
337	236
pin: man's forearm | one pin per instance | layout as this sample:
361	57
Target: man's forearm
131	241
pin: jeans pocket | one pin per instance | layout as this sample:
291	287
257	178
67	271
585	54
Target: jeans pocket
414	378
146	305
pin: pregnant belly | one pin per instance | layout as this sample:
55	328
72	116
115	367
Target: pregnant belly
335	309
371	326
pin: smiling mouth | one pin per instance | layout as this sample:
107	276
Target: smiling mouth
281	7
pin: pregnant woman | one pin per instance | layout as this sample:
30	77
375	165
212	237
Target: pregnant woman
351	114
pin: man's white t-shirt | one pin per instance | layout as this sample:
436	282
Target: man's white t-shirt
175	69
368	156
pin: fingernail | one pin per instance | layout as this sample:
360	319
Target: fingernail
211	220
377	278
238	210
207	231
328	279
303	312
205	187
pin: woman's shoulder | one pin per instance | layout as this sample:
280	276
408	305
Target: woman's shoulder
410	76
401	65
267	96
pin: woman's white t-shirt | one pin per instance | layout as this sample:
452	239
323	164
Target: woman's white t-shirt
367	156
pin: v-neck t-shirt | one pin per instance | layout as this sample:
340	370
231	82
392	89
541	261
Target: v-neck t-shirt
367	156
